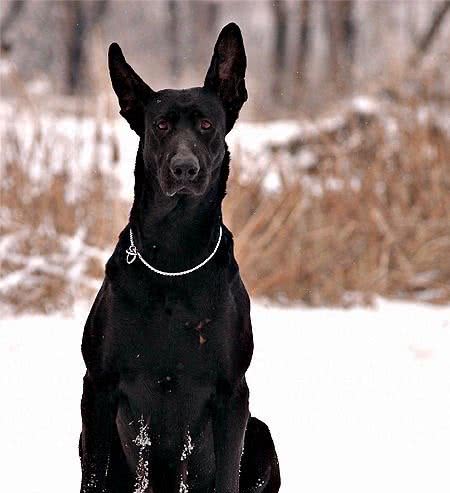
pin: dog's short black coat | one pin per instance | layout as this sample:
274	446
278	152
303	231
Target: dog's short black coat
165	401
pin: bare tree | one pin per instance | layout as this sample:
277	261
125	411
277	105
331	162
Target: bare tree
79	18
203	26
75	26
303	48
340	27
424	43
280	19
12	14
173	30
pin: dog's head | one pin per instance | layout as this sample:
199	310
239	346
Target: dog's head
183	131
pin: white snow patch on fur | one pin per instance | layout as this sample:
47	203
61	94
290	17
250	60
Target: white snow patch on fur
143	442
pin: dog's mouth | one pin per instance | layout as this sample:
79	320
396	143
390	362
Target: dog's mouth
193	189
182	191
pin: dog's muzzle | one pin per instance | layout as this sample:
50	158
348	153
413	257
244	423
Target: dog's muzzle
184	169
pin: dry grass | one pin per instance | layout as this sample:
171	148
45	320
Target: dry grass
54	237
370	217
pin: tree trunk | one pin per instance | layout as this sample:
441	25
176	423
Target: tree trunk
303	48
428	37
203	29
78	19
13	13
279	49
173	30
76	28
340	29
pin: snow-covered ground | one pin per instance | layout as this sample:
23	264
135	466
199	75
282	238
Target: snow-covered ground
357	400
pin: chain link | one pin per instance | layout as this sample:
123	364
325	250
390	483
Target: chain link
132	253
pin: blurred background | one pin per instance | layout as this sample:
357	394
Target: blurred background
340	179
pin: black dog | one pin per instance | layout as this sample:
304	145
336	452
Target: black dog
165	401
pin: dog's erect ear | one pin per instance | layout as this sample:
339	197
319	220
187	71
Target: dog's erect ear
226	74
131	90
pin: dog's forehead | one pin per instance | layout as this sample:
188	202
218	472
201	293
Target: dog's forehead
185	99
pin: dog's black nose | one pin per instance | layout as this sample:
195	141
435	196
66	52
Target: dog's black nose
184	170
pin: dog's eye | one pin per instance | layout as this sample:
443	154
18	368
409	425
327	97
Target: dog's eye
205	124
163	125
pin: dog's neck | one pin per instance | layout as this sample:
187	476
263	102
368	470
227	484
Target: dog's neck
175	233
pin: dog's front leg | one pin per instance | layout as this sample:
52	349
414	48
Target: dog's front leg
98	411
229	424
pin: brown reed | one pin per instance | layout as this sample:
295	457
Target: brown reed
370	217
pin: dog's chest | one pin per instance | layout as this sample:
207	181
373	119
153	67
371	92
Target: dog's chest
172	341
163	341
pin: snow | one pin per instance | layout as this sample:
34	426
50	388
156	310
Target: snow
76	143
357	400
143	442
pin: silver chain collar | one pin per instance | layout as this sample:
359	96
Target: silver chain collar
132	253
